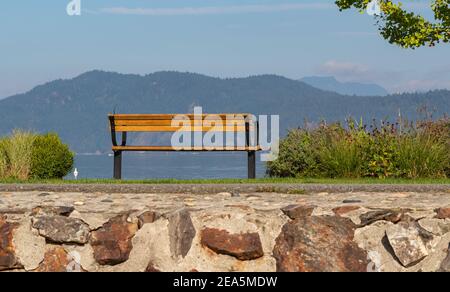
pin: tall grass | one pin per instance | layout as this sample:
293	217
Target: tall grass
426	152
400	150
344	159
3	159
15	155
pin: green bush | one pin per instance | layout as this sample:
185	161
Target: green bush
50	157
24	155
401	150
296	156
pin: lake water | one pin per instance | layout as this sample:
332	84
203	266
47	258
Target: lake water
155	165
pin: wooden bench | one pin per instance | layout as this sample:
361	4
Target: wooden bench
243	124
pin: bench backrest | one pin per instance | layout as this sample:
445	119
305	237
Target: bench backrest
175	123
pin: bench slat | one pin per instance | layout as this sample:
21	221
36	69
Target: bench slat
171	116
176	129
169	122
170	148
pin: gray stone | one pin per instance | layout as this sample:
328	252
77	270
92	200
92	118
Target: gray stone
52	211
435	226
393	216
407	243
62	229
181	232
30	247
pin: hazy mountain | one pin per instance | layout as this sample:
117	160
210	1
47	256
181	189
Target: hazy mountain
77	108
346	88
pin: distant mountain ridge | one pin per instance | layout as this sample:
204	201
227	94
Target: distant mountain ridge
77	108
347	88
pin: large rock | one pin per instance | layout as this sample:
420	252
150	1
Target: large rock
319	244
112	242
408	242
61	229
297	211
181	232
372	238
58	260
30	246
244	246
8	258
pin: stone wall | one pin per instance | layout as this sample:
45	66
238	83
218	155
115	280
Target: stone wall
360	231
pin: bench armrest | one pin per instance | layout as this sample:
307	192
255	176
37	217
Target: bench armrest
113	133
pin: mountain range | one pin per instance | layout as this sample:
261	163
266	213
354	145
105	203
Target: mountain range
77	108
347	88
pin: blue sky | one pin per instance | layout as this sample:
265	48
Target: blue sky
39	42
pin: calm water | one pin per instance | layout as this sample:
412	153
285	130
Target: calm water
168	165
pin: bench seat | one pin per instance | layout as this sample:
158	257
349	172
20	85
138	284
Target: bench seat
245	124
193	149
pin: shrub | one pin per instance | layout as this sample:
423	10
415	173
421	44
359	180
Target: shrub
402	150
50	157
296	156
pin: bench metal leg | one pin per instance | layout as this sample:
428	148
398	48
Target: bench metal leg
117	164
252	164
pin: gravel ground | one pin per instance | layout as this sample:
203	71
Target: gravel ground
217	188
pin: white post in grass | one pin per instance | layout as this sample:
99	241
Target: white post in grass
75	173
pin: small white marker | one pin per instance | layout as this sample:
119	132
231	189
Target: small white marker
75	173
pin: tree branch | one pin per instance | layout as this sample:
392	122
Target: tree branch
407	29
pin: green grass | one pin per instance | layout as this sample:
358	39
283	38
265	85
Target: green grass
235	181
